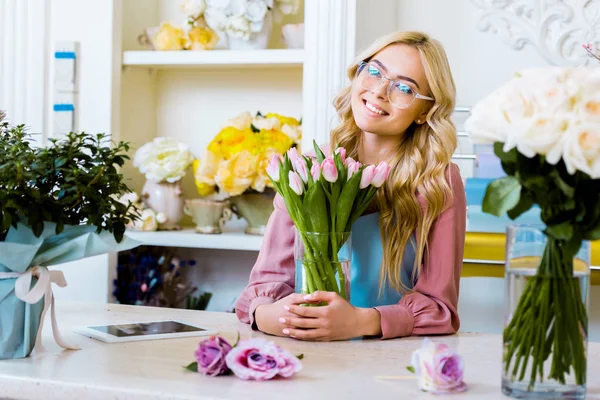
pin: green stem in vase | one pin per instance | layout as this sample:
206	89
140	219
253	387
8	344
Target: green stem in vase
549	319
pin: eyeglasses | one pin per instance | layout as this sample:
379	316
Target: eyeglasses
400	94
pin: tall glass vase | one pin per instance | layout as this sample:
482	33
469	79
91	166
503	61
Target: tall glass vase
323	262
546	315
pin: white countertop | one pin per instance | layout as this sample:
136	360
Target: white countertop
357	369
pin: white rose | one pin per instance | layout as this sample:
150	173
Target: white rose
147	221
163	159
268	3
161	218
266	123
129	197
238	28
582	149
293	132
240	122
256	11
216	19
194	8
221	5
237	8
544	135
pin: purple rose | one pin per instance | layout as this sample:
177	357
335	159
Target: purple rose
259	359
211	354
439	368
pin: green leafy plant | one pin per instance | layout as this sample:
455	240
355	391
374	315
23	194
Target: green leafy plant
74	180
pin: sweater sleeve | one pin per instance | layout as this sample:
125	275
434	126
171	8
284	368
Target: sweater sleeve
431	308
272	276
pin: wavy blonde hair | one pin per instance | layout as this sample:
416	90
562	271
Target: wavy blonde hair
419	165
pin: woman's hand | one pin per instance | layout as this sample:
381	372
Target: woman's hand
267	316
338	320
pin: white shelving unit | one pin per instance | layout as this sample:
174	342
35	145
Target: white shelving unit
232	238
279	58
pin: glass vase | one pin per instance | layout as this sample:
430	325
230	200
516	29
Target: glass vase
323	262
546	315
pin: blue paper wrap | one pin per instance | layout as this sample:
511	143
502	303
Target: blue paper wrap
19	321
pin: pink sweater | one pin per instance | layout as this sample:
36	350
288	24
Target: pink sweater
431	308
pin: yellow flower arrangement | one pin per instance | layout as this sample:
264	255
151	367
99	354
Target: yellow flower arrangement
202	38
170	37
236	159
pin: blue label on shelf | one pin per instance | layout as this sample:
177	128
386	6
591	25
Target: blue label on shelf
63	107
64	54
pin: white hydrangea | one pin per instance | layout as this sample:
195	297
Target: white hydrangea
163	159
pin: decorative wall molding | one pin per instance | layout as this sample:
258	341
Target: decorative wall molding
556	28
330	48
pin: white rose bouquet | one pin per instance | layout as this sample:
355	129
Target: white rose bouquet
545	126
163	160
240	18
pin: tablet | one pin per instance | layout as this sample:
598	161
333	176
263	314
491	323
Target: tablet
148	330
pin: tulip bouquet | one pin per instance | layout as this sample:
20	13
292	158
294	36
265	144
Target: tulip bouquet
324	197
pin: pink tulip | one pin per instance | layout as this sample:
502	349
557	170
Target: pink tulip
381	173
329	170
296	183
349	160
367	176
301	169
293	155
315	171
353	168
273	167
342	152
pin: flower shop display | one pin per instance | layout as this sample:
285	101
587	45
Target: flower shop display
246	23
324	197
439	368
154	276
544	124
235	162
208	215
58	204
164	162
249	359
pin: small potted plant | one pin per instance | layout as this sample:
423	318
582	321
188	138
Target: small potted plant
57	204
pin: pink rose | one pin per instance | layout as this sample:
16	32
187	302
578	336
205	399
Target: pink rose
258	359
439	368
211	356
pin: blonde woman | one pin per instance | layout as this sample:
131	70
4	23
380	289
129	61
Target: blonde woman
408	247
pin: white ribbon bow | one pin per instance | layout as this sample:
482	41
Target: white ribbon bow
42	288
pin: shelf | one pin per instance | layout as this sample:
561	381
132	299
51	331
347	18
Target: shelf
214	58
232	238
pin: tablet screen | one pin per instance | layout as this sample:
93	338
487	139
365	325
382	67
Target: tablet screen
146	328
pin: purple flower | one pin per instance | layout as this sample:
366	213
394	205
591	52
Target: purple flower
211	354
439	368
258	359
